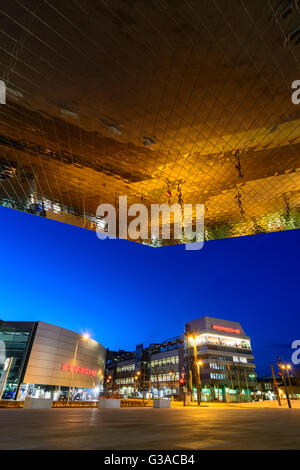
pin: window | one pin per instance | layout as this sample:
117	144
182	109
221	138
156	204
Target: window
125	380
224	341
218	376
213	365
126	368
14	343
239	359
165	361
165	377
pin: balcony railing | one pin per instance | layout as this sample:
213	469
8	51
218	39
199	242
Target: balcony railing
217	347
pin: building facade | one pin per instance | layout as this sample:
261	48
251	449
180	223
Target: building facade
226	362
45	360
224	368
153	371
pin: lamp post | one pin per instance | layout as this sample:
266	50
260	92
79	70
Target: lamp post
275	385
108	385
192	338
200	364
136	381
84	337
284	368
288	368
172	375
247	384
230	375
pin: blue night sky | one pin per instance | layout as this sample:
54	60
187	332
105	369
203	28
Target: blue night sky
125	293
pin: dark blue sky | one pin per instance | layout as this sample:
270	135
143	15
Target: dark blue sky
125	293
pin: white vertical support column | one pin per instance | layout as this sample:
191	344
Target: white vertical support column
4	374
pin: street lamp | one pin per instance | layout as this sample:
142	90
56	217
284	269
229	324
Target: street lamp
193	340
286	367
172	376
200	364
83	337
136	381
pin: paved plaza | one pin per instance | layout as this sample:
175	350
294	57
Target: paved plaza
152	429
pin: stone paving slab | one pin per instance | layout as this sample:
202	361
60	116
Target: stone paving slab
183	428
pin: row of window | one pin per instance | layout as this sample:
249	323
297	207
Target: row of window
175	360
165	361
127	368
218	376
155	393
233	359
223	341
212	365
224	376
170	378
239	359
164	377
227	349
125	380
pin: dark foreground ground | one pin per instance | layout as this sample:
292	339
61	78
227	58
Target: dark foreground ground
184	429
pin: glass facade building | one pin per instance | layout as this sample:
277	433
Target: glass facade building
48	361
15	341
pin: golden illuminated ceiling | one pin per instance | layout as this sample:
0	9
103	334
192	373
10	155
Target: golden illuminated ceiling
145	97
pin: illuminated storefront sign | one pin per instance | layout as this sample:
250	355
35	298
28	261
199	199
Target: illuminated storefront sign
78	370
227	329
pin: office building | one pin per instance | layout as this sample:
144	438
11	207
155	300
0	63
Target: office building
224	367
42	360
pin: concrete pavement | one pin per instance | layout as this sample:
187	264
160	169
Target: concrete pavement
152	429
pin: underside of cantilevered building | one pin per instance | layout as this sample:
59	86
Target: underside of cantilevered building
162	101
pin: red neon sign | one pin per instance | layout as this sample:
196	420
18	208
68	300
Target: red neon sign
227	329
78	370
